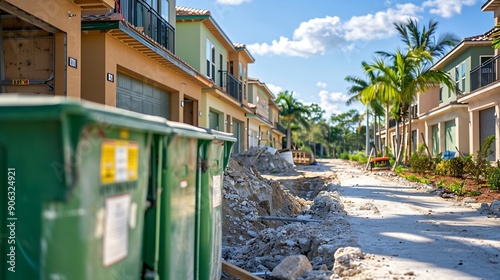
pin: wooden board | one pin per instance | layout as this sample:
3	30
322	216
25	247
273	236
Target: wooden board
238	272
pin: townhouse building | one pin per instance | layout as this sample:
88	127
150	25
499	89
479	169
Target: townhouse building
460	119
129	61
136	55
484	96
203	44
443	116
263	121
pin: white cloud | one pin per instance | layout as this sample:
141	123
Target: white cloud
321	84
232	2
447	8
333	102
379	25
319	35
274	89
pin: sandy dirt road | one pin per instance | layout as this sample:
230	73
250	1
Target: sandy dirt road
413	234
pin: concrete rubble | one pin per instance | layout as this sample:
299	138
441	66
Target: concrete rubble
292	268
266	161
260	246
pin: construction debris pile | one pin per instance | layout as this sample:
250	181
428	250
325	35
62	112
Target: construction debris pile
265	159
247	195
266	222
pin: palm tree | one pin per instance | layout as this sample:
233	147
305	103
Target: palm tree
292	111
403	79
423	38
356	91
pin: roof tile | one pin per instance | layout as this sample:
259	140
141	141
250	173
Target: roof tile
184	11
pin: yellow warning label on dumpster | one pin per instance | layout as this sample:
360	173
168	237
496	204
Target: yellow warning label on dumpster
119	161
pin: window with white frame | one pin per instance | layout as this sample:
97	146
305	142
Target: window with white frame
457	79
463	76
210	60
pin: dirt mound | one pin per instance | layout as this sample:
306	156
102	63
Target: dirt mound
266	162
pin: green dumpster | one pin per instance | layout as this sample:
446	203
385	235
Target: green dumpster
215	157
74	184
178	202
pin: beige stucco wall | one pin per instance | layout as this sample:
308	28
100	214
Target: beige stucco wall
461	117
104	54
428	100
55	13
229	110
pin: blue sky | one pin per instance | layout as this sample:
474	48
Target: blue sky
309	47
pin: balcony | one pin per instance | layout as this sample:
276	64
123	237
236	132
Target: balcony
484	74
280	128
231	85
142	15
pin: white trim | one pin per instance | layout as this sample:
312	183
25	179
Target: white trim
484	106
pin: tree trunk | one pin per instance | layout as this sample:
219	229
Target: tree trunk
386	130
398	139
408	154
289	136
401	146
367	131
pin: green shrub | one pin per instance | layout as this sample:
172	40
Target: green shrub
479	167
344	155
474	193
494	178
457	188
399	169
440	184
456	167
419	161
441	168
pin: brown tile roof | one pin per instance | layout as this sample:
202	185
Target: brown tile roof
483	37
239	45
184	11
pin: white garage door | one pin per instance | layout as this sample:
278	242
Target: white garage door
138	96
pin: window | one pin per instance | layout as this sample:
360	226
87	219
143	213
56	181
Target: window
263	104
210	60
240	72
441	94
164	9
463	76
244	83
457	78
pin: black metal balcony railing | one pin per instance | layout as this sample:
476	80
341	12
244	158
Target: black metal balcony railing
141	14
279	127
264	119
484	74
231	85
392	123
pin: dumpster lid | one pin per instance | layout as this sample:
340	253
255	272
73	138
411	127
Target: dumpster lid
221	135
188	130
19	107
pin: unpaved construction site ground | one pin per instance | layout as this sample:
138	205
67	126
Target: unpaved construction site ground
348	223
